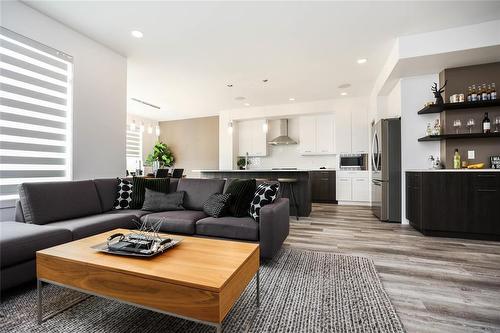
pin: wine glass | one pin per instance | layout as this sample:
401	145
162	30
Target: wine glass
457	124
497	124
470	124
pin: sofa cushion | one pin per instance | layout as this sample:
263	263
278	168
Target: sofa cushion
229	227
217	204
123	196
159	202
19	241
180	221
55	201
138	213
242	192
92	225
140	185
106	189
198	191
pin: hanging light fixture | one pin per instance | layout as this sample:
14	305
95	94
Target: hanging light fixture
150	129
230	127
132	126
157	130
141	128
265	127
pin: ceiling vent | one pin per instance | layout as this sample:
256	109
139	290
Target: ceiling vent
145	103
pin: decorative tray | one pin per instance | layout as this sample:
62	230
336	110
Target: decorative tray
136	245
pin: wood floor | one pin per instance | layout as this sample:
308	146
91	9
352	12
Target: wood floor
436	284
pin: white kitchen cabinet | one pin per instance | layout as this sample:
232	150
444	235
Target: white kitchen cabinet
316	135
352	186
343	132
307	135
360	189
359	126
251	138
324	134
344	189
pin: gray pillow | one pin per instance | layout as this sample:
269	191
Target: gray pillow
161	202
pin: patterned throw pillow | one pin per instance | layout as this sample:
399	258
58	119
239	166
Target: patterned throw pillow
217	204
264	195
123	195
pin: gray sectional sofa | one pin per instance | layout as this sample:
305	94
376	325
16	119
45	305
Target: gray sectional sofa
49	214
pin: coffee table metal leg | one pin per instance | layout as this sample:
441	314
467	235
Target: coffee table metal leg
258	287
39	301
218	328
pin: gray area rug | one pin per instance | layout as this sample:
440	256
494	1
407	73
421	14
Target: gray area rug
301	291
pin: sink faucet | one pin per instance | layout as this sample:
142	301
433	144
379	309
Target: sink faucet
246	161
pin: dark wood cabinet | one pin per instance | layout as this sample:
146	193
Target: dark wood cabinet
454	204
323	187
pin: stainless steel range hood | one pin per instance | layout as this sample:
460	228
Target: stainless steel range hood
283	138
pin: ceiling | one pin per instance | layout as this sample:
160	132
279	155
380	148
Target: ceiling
191	50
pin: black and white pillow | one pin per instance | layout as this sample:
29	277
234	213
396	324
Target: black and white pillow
217	204
265	194
123	195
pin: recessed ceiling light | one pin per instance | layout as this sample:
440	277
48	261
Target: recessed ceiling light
136	34
229	85
291	99
265	80
345	85
240	98
343	93
362	60
247	104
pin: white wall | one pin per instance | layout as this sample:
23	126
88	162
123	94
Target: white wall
99	96
415	92
228	143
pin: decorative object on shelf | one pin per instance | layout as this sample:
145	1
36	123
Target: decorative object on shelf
160	157
437	164
428	104
437	127
495	162
144	242
482	93
437	92
241	163
457	123
476	166
486	123
428	131
457	98
431	162
497	124
470	124
457	164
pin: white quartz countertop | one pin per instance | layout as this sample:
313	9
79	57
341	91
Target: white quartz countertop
454	170
265	170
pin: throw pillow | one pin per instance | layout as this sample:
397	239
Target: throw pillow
123	194
140	185
264	195
217	204
242	192
155	201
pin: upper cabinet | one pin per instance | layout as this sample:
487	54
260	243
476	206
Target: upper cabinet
351	132
251	138
343	132
359	126
316	135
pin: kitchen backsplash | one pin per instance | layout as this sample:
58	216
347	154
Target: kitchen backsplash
289	156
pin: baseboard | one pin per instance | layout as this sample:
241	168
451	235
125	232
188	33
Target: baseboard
354	203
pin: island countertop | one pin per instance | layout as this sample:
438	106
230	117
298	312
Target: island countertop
264	170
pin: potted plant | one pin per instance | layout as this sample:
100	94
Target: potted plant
241	163
160	157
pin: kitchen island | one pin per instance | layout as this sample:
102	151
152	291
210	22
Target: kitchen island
460	203
302	189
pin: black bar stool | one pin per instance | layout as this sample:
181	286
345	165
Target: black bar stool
288	183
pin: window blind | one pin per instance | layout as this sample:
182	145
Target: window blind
35	113
134	149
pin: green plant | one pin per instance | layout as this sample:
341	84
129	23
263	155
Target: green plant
241	162
161	154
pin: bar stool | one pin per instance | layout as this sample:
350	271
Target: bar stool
288	183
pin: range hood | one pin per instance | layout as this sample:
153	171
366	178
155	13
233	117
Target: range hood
283	138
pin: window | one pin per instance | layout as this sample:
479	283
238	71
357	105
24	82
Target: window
134	148
35	113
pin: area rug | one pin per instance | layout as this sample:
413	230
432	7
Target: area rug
301	291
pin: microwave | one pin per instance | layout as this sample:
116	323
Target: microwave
354	161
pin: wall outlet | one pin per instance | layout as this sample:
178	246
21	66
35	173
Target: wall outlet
471	154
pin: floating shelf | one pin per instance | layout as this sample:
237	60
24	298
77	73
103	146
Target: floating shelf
460	136
434	108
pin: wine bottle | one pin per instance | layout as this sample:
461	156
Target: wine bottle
493	93
484	96
473	96
486	123
469	94
479	93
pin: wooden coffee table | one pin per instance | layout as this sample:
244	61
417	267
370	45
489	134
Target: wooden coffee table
200	279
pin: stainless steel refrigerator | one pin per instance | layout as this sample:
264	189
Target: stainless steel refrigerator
386	169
